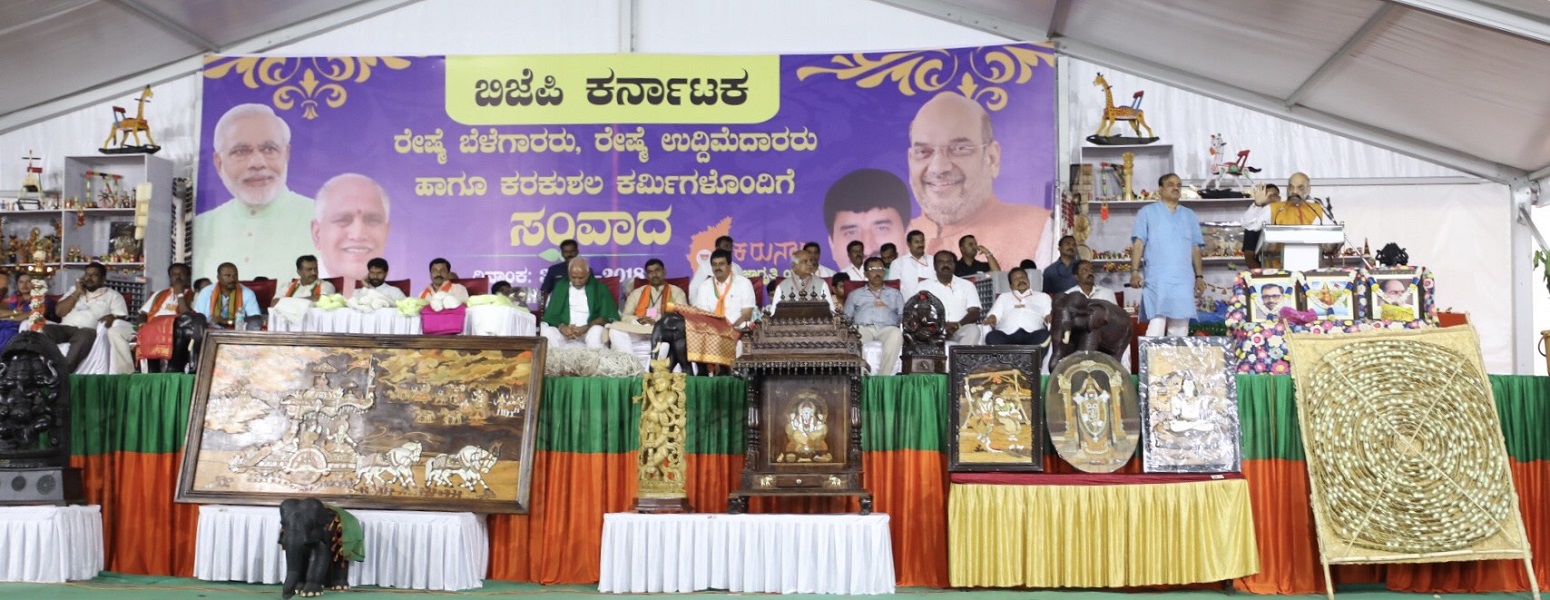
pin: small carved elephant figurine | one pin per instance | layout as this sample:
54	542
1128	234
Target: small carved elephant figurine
188	333
1078	323
316	558
672	330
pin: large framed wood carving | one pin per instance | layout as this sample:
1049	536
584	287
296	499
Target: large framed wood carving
426	422
1189	405
1090	406
997	419
803	369
1406	458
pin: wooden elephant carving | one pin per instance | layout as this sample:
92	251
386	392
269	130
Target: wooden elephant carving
1078	323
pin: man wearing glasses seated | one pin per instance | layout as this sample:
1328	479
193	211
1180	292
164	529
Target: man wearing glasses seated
876	311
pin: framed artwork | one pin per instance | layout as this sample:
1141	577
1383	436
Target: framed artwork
1395	294
1268	293
1090	406
810	422
1330	295
379	421
1189	405
996	417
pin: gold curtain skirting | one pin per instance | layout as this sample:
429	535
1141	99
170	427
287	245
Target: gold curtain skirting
1068	536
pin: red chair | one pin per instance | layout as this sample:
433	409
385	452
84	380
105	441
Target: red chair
264	291
337	282
478	286
613	286
154	341
403	286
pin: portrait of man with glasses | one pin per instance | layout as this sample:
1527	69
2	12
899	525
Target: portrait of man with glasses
954	160
264	226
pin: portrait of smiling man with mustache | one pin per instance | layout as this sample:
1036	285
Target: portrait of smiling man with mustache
264	226
351	225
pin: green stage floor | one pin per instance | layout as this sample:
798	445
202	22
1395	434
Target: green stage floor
140	587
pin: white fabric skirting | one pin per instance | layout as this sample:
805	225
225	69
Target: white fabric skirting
786	554
50	544
479	320
404	549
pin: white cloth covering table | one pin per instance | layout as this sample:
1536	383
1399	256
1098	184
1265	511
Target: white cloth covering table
404	549
50	544
785	554
487	320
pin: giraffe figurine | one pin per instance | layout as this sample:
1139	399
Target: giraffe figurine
1113	114
125	126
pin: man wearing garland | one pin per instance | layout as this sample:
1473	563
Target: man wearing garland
228	303
644	306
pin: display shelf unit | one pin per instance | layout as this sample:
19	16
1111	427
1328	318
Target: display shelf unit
94	236
1151	161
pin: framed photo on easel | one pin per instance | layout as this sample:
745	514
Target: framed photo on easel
1267	293
1330	294
1395	294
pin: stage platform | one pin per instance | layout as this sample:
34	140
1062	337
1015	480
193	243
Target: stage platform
129	432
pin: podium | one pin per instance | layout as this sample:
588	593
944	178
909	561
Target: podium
1301	245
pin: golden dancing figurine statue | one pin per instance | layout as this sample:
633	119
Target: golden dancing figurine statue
663	432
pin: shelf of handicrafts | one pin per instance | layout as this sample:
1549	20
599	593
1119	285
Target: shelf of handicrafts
803	370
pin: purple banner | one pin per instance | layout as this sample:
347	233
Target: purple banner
491	162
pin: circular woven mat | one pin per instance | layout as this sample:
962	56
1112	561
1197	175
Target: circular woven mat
1403	432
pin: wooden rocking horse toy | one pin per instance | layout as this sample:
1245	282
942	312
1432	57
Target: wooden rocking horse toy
1113	114
1225	173
125	126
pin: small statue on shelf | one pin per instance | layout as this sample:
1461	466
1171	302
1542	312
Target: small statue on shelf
75	255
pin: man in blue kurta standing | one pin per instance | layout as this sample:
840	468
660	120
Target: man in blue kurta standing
1166	243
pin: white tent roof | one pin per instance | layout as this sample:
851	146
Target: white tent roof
60	55
1465	83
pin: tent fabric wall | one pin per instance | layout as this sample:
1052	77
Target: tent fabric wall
128	434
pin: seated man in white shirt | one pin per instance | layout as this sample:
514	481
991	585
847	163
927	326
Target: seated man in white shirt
442	282
644	306
374	292
1020	316
173	301
227	304
960	300
856	252
306	285
819	269
802	285
876	311
1085	278
915	269
723	307
578	313
90	303
703	272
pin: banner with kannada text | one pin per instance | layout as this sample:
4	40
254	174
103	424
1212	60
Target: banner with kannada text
492	161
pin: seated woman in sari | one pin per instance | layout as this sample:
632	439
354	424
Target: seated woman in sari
17	307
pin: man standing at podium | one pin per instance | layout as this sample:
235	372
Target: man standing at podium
1166	243
1296	210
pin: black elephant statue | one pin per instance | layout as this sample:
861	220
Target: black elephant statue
316	557
671	329
1078	323
188	333
1391	255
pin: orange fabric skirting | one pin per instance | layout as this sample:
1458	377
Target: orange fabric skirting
143	530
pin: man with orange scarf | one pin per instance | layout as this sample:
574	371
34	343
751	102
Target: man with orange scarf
644	306
578	313
228	303
442	281
723	305
306	285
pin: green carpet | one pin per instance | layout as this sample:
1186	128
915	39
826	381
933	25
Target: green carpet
139	587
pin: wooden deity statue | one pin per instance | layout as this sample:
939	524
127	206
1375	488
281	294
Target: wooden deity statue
663	432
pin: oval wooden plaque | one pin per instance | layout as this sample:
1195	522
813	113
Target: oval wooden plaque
1090	406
